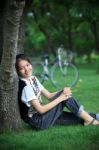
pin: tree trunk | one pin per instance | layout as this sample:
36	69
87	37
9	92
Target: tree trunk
1	28
46	34
9	113
21	36
95	33
49	40
69	33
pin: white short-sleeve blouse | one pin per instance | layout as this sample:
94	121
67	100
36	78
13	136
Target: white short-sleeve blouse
31	91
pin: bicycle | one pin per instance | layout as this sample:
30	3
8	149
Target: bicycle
61	73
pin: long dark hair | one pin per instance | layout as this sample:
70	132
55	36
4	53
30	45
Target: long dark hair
20	57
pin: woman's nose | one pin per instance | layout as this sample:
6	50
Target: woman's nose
26	68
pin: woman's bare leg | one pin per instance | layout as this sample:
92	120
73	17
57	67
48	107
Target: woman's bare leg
88	120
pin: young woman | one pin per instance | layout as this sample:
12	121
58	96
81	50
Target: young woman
41	116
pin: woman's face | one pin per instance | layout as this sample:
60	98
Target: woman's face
25	69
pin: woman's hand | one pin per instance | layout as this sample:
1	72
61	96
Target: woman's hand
66	93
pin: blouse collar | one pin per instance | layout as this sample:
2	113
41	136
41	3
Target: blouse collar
28	81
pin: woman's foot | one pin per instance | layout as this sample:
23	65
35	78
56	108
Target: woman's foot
92	122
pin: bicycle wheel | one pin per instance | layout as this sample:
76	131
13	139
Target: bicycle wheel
38	71
67	75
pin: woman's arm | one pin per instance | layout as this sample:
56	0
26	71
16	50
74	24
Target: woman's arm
44	108
48	94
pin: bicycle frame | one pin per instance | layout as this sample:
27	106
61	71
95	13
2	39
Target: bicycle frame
60	72
46	68
60	61
45	63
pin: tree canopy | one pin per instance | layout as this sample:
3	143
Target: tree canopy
71	23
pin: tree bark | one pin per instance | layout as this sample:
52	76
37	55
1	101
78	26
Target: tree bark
21	36
1	27
9	112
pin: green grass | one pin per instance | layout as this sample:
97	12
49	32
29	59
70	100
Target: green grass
63	137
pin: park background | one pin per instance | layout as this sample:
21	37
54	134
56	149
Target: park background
37	27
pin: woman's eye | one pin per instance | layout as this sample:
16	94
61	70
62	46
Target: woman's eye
28	65
21	69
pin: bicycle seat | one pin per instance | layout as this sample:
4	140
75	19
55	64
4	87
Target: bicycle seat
46	56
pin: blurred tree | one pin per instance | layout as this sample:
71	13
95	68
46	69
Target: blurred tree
57	22
89	11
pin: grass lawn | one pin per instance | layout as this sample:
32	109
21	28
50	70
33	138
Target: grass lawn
63	137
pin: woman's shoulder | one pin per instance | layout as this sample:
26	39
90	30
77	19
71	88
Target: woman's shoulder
22	83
